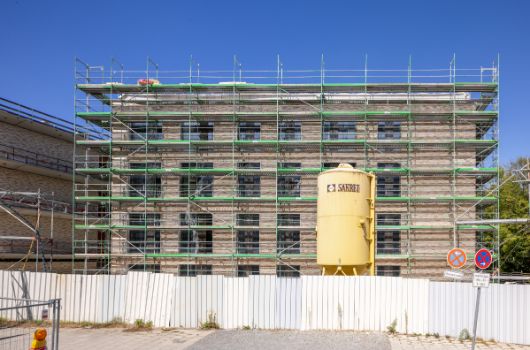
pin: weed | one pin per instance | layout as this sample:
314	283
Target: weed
140	324
464	335
392	327
246	328
211	323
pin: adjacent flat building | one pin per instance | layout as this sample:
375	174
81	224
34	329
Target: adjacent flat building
36	175
213	174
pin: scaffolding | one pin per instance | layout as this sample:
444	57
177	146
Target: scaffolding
185	158
16	204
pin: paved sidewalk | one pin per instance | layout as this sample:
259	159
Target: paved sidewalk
409	342
119	339
178	339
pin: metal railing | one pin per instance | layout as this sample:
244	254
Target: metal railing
43	118
36	159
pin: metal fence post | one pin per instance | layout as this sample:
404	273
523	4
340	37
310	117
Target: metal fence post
57	317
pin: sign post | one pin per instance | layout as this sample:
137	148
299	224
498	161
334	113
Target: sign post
483	260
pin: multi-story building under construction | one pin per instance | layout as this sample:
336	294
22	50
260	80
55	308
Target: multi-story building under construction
214	172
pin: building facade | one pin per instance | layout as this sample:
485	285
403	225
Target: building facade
221	177
36	175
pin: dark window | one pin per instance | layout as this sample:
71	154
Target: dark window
334	130
388	219
288	271
389	130
197	131
196	185
288	242
249	131
388	165
195	165
194	270
145	130
247	242
289	185
388	242
247	219
146	267
145	185
195	241
248	186
332	165
247	270
289	130
388	185
289	165
388	270
288	219
248	165
147	240
196	219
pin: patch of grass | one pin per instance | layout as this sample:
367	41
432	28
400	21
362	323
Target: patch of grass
211	323
392	327
246	328
116	322
142	325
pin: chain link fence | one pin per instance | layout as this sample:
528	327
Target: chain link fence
19	318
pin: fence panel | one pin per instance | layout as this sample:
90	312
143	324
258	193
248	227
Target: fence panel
268	302
184	310
288	311
262	302
235	303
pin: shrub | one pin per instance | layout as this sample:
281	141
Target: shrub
211	323
392	327
464	335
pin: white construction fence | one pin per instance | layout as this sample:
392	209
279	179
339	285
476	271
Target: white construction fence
269	302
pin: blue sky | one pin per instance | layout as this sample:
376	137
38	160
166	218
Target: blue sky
40	40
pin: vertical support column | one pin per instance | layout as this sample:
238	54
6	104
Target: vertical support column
372	224
277	151
497	213
409	165
187	215
234	178
456	242
365	120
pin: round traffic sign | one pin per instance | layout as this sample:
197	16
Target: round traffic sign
456	258
483	259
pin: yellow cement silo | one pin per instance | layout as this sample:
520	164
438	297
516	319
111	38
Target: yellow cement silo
345	221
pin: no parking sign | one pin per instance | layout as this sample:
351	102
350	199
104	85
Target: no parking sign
483	259
456	258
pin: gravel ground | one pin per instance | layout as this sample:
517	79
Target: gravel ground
294	340
118	339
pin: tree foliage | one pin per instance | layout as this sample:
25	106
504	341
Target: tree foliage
515	239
